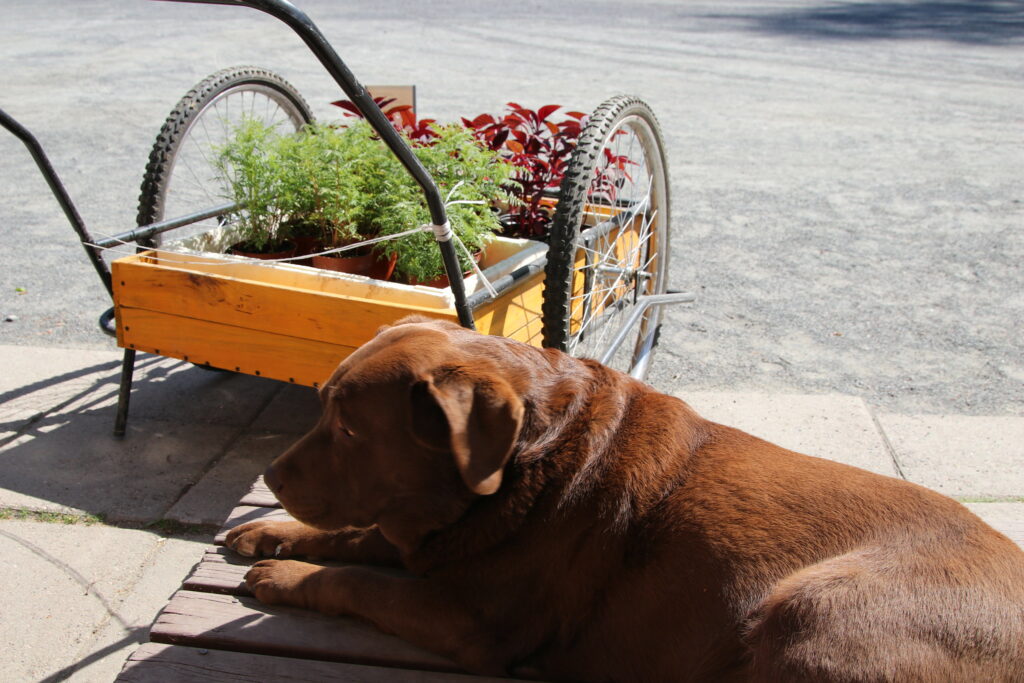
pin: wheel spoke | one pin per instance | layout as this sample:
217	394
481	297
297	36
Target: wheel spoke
609	273
185	173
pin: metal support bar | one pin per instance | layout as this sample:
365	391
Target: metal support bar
145	231
643	302
124	392
57	187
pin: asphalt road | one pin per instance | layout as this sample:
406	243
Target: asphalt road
847	178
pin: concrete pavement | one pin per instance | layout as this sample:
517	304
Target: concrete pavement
97	532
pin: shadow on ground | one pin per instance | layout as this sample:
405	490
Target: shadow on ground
195	439
982	22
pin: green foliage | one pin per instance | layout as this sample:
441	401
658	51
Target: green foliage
252	166
345	183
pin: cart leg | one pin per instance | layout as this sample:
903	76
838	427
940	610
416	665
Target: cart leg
124	395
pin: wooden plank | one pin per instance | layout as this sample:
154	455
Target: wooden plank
306	313
517	313
287	276
281	357
157	663
242	624
250	513
260	496
220	571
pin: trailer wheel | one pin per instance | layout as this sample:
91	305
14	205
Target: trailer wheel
181	176
609	241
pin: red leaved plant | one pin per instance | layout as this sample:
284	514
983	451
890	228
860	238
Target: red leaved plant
540	148
536	144
402	117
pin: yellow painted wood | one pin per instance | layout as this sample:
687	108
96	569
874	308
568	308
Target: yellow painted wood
515	314
253	352
289	323
620	245
258	305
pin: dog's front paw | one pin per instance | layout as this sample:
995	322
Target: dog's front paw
282	582
265	538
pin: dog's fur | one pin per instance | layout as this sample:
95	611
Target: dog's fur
561	520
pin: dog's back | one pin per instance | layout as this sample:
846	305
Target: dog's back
764	564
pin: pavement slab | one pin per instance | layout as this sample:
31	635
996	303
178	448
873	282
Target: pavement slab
293	410
36	381
41	381
213	496
74	464
830	426
101	658
1007	518
966	457
64	584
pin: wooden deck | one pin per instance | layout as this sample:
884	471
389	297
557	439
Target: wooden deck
213	629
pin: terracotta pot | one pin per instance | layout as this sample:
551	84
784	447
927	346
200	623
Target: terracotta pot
441	281
369	264
285	250
307	245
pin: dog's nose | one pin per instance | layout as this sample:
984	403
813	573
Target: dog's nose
271	480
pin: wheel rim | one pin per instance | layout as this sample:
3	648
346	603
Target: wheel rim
615	265
194	182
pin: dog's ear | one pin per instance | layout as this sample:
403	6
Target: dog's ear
476	417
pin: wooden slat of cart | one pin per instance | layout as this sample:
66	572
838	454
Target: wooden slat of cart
290	323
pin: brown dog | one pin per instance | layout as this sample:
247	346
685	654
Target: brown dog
565	521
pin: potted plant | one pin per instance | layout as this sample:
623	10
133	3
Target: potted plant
539	146
537	143
345	185
383	199
317	191
252	166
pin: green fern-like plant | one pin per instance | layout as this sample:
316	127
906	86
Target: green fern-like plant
346	183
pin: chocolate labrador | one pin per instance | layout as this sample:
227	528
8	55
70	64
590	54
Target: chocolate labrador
561	520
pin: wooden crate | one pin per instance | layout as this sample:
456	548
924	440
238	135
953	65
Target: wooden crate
291	322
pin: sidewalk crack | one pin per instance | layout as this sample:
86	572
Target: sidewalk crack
885	442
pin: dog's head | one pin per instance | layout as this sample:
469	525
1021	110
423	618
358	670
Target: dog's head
415	424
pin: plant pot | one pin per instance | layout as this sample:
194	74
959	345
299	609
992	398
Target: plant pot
284	250
306	245
441	281
369	264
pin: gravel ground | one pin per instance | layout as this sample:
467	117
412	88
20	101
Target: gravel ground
847	177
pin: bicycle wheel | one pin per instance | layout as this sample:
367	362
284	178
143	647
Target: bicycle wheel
609	241
181	177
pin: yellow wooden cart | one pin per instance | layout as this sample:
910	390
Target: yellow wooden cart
594	288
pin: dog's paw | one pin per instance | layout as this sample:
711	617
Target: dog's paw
263	539
281	582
